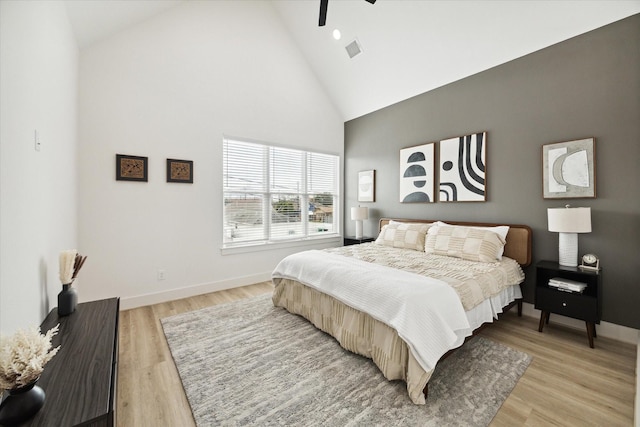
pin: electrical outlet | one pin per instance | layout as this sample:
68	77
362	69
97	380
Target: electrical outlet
161	275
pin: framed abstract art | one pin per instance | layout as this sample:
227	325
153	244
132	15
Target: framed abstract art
568	169
462	168
180	171
367	186
131	168
417	174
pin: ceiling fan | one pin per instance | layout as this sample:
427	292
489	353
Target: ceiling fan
323	11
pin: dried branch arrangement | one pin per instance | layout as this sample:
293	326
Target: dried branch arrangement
70	264
23	356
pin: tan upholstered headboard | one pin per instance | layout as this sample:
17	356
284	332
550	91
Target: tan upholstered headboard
518	245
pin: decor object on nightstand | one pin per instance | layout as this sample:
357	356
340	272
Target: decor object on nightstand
358	215
70	264
367	186
568	222
590	262
22	359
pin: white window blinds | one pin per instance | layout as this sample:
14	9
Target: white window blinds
277	194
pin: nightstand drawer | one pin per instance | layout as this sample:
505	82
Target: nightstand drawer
578	306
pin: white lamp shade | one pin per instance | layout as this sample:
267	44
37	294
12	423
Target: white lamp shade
569	220
359	214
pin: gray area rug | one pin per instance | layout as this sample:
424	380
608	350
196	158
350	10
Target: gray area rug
249	363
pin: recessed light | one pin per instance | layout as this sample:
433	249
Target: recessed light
336	34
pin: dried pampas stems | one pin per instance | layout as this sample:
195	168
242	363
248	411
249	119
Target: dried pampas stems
70	264
67	259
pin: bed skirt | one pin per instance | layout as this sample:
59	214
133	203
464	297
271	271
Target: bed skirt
357	332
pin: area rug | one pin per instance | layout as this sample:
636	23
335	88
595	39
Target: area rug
249	363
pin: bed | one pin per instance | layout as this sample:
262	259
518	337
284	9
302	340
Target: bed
412	296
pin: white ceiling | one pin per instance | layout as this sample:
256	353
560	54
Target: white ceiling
409	47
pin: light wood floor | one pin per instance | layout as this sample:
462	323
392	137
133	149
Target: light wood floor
566	384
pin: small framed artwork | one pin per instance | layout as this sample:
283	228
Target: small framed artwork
568	169
131	168
367	186
417	174
463	169
180	171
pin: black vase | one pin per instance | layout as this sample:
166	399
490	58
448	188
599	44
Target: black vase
67	300
21	404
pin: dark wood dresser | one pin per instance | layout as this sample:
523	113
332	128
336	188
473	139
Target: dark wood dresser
80	381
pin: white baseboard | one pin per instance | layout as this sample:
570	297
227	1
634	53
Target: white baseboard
604	329
127	303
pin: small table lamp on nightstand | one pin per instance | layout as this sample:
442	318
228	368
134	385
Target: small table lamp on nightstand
568	222
358	215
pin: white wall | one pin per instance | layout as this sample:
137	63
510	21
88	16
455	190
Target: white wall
38	82
170	87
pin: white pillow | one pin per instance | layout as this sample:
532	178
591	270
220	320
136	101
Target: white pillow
404	235
500	230
470	243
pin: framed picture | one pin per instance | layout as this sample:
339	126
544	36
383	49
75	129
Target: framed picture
462	169
568	169
180	171
417	174
131	168
367	186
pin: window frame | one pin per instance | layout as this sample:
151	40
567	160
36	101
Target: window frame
269	241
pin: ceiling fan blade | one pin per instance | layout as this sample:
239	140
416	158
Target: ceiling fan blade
324	4
323	12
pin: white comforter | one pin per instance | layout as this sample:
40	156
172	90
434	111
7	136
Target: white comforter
426	312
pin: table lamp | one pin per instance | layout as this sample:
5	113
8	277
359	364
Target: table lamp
569	222
358	215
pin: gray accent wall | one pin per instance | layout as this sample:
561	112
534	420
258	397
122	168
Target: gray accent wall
587	86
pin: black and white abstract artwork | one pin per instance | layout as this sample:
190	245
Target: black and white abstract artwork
463	168
417	174
568	169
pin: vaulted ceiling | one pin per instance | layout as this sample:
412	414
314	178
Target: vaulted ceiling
407	47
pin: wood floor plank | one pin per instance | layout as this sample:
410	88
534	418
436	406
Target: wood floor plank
566	384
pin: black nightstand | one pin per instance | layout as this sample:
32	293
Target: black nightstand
585	306
351	240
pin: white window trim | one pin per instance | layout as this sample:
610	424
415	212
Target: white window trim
269	246
309	241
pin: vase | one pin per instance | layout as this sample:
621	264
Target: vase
67	300
21	404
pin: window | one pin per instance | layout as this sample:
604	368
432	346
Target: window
274	194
